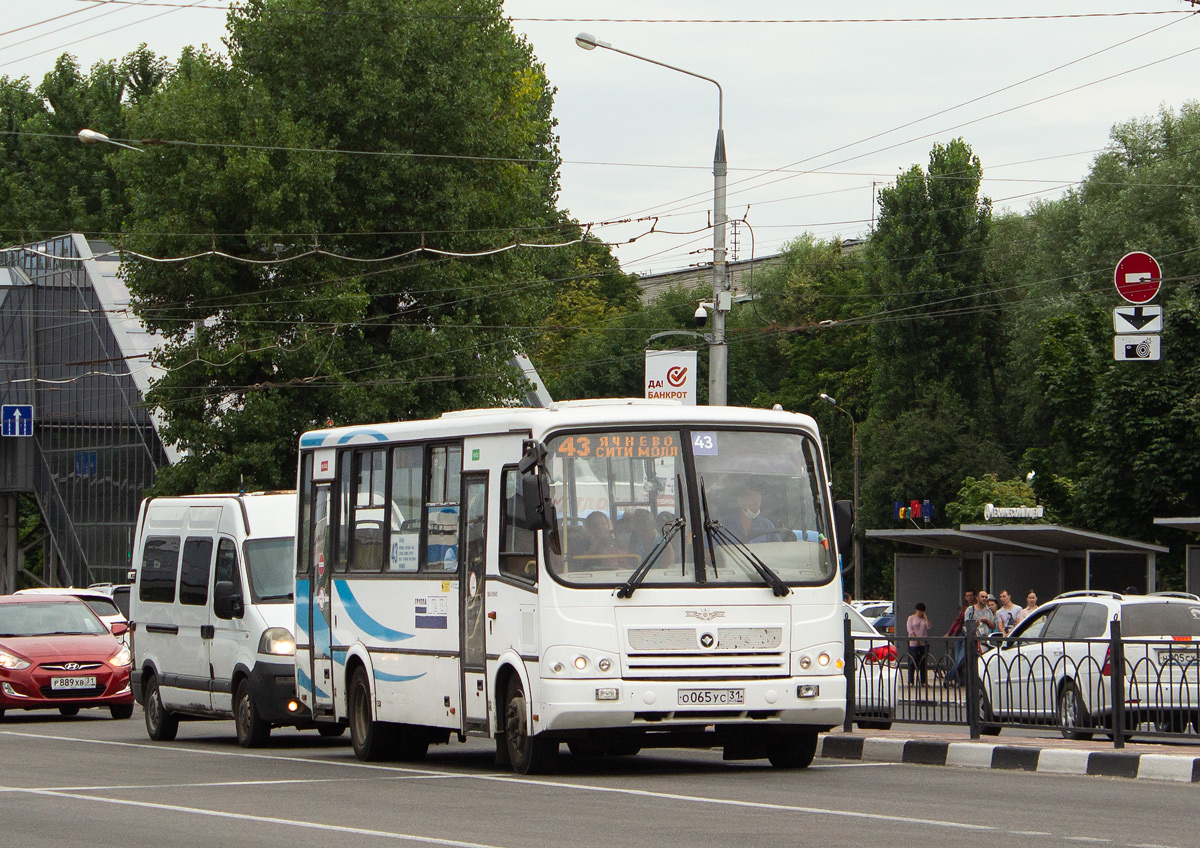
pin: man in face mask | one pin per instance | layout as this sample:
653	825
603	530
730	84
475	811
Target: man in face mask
750	525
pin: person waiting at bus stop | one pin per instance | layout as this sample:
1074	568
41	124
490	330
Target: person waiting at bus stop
959	647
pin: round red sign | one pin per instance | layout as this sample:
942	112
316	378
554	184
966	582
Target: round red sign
1138	277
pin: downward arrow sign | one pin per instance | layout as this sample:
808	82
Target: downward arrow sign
1139	318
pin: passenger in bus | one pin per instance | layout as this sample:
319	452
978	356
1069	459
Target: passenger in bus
599	539
638	525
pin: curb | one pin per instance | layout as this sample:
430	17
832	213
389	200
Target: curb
1172	767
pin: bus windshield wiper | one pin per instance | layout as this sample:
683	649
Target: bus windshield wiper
669	532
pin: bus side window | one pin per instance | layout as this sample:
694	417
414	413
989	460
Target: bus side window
518	546
442	508
408	476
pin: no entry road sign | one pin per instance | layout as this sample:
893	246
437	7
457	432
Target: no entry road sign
1138	277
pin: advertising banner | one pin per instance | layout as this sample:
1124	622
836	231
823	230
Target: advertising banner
671	375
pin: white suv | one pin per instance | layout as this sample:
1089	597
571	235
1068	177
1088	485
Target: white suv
1056	666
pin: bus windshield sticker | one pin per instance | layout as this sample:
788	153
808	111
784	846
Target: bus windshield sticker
704	443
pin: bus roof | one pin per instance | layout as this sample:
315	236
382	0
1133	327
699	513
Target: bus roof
618	412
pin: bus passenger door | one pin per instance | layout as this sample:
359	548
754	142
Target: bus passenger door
473	552
320	602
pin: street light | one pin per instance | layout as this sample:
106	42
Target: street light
718	351
91	136
858	587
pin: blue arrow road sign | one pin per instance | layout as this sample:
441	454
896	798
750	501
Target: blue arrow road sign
16	419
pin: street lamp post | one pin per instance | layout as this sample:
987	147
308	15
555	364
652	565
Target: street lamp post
718	350
857	545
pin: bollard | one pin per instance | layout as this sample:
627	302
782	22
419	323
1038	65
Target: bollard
971	670
848	641
1116	657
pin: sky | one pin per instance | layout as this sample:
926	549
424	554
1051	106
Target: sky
824	102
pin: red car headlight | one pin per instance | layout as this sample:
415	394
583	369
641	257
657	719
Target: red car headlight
12	662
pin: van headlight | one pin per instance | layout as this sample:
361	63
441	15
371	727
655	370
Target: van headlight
277	641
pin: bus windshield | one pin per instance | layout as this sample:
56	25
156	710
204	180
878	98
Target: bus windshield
745	503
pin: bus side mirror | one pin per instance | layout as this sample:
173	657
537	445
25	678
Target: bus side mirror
538	505
227	600
843	525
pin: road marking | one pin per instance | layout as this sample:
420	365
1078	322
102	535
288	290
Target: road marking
221	814
217	783
506	779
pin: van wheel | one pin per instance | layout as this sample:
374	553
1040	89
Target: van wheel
161	723
1072	714
793	751
253	730
528	753
121	710
68	711
372	740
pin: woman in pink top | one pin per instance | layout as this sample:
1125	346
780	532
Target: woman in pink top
918	647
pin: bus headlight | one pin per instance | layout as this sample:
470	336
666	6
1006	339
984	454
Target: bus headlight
277	641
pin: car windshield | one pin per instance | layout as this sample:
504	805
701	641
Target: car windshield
49	619
271	563
1139	621
858	624
751	502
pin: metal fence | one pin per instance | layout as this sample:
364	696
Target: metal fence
1081	688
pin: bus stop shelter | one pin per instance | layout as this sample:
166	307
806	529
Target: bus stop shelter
1048	559
1189	525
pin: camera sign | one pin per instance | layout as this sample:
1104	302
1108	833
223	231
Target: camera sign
1137	348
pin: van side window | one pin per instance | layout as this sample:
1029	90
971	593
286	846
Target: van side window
193	577
408	477
160	564
366	516
442	508
227	564
517	545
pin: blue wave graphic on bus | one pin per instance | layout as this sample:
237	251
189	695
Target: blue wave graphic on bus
396	678
305	683
361	620
316	440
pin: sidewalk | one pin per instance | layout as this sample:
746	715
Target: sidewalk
1047	754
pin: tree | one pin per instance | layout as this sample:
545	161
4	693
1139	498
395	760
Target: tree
929	263
988	489
442	115
49	182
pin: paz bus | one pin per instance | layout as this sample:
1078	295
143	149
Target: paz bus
614	575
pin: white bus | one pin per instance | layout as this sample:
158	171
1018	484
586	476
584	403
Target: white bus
615	575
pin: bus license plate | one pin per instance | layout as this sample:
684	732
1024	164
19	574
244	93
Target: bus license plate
72	683
711	697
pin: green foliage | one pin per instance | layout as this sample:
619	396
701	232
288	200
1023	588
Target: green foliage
258	353
49	182
976	492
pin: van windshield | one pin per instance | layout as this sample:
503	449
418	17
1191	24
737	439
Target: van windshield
270	563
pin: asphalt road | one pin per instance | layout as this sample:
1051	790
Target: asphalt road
93	781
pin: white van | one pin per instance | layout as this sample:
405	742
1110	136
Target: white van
211	610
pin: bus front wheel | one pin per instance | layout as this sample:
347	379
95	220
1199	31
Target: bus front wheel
528	753
793	751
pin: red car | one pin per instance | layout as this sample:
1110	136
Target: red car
56	654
